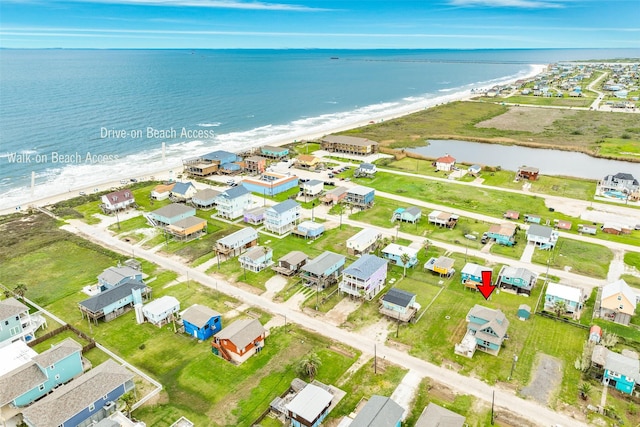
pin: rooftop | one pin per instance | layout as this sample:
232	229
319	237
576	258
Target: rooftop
199	315
242	332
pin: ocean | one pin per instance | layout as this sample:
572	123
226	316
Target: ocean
79	117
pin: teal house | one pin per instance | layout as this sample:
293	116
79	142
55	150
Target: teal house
504	234
44	372
170	214
16	323
272	152
620	371
520	279
411	214
486	331
114	302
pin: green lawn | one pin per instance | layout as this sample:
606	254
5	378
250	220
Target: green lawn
583	258
632	259
541	100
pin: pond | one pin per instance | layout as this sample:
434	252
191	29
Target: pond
511	157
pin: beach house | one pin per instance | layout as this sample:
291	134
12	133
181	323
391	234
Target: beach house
503	234
436	416
236	242
618	302
486	331
443	219
365	278
542	236
309	407
324	270
211	163
201	322
162	191
232	202
114	276
205	199
162	310
364	241
182	192
445	163
311	188
619	370
272	152
441	265
307	162
283	217
16	323
291	263
309	229
366	170
254	216
270	183
394	252
399	305
572	298
379	411
471	275
256	259
187	229
87	399
360	197
255	165
117	201
38	375
239	341
114	302
335	196
349	145
170	214
621	182
410	214
519	279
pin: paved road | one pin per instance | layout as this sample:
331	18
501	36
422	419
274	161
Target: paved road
504	399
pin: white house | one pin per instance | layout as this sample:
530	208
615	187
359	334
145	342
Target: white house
232	202
545	237
312	188
445	163
118	200
363	241
394	252
159	310
282	218
570	295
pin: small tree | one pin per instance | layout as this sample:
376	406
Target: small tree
405	258
20	290
585	389
559	308
128	399
309	365
609	339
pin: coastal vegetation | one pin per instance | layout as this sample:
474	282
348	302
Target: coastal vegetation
574	130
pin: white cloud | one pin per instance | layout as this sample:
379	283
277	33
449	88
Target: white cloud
211	4
522	4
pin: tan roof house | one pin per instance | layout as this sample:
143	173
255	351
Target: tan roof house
618	302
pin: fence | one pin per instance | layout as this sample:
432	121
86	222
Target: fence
61	329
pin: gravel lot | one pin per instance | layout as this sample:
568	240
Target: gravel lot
546	379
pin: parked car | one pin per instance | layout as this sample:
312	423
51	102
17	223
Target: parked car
330	175
470	236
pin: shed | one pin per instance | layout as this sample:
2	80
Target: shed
159	311
201	322
524	312
595	334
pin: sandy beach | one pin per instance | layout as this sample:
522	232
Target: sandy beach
173	166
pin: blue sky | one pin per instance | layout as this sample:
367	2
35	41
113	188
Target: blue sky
465	24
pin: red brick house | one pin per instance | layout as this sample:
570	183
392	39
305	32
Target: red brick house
527	172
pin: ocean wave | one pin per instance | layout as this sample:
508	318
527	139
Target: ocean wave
209	125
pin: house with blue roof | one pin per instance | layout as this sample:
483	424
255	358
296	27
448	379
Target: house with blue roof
273	152
182	192
365	278
211	163
283	217
40	375
114	302
201	322
232	202
365	170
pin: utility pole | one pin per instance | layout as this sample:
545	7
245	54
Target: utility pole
493	399
375	360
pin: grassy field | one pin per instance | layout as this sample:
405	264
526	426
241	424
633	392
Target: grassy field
583	258
579	130
632	259
539	100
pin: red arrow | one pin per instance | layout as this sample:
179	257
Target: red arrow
486	289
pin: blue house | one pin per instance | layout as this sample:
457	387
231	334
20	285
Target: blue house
272	152
572	296
183	191
114	276
170	214
486	331
394	252
379	411
16	323
411	214
323	270
504	234
360	197
256	259
91	397
44	372
309	229
309	407
520	279
472	275
201	322
621	371
114	302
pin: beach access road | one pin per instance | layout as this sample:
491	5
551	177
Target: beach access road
504	399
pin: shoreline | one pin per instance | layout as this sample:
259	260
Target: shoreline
169	170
